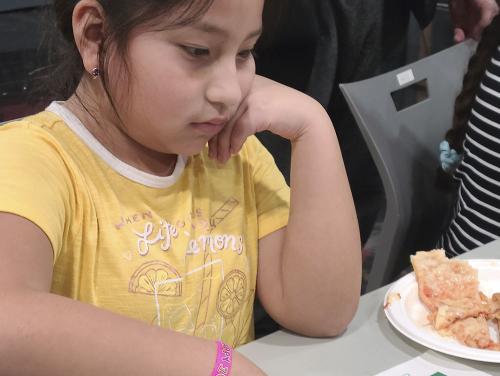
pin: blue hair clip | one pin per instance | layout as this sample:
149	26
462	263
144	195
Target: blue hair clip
449	158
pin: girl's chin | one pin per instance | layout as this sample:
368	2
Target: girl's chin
193	150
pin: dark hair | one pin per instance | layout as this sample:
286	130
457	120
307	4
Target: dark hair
122	16
463	104
472	79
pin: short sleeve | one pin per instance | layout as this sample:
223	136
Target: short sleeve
34	184
271	191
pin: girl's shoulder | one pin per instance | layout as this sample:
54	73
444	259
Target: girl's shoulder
42	136
43	119
36	126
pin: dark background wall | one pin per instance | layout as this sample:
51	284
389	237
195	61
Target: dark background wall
21	33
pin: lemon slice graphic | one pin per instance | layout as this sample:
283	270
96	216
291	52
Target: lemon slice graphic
232	294
156	276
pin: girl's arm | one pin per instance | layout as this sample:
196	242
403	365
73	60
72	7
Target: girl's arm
309	274
317	257
46	334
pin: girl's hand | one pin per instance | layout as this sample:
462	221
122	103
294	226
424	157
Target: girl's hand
269	106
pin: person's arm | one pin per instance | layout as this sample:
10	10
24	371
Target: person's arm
46	334
470	17
309	273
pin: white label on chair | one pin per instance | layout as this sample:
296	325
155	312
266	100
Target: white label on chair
405	77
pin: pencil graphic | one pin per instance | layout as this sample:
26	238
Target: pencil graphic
216	218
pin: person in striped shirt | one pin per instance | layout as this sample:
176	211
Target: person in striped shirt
470	154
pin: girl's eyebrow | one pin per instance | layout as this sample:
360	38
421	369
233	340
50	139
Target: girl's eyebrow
214	29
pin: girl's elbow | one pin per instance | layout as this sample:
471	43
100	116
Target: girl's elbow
333	322
336	322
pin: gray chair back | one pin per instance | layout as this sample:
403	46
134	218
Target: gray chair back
404	144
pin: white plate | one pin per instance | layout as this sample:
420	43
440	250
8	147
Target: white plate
409	315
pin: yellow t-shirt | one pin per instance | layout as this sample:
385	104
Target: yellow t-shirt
179	251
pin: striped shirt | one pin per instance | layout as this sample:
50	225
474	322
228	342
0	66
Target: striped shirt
476	217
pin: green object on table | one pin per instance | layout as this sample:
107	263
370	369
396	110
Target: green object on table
438	374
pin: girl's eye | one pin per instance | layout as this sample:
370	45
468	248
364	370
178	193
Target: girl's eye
246	54
196	51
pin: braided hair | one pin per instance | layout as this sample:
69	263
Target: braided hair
478	63
477	66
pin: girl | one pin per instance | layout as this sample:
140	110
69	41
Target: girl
140	217
471	151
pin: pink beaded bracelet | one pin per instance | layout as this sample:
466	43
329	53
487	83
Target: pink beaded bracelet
224	360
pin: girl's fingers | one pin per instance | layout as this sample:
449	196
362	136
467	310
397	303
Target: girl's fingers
241	131
459	35
225	136
224	140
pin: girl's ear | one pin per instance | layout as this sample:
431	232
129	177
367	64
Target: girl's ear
88	30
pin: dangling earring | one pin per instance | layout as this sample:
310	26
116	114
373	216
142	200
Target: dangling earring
95	73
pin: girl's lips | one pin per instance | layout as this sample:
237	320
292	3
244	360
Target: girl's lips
209	128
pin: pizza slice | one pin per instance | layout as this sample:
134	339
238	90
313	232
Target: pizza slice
450	290
450	311
472	332
443	280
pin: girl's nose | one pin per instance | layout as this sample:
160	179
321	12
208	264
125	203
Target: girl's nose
224	89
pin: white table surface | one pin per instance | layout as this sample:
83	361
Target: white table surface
369	346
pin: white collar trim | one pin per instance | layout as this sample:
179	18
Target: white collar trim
124	169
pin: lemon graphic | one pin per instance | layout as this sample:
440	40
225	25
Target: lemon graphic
232	294
156	276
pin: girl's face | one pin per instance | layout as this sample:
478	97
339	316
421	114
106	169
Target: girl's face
186	83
